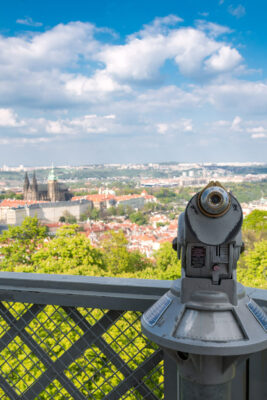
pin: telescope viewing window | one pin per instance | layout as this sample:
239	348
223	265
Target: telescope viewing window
198	256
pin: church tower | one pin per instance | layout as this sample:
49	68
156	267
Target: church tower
34	188
26	187
52	183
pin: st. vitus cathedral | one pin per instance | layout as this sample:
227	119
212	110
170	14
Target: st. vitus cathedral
50	191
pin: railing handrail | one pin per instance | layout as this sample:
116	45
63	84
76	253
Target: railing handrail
84	291
90	291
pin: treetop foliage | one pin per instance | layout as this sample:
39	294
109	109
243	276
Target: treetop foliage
139	218
19	243
256	221
118	258
30	229
28	248
69	252
254	271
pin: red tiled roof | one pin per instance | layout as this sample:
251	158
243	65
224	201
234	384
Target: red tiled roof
54	224
173	224
18	203
104	197
94	197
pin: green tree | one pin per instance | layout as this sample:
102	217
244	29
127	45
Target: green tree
138	218
111	211
19	243
256	221
165	195
68	230
121	210
254	270
91	213
69	218
118	258
165	266
94	214
254	230
151	207
70	252
172	215
11	195
248	191
166	257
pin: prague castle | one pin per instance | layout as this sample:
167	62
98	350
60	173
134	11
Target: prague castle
50	191
48	202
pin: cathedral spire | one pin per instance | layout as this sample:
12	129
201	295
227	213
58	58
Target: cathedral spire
53	186
26	183
52	176
34	180
34	187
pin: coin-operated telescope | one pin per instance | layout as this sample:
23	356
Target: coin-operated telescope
210	324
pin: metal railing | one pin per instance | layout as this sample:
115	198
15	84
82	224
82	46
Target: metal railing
73	337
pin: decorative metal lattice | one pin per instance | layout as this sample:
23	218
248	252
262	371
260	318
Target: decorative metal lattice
57	352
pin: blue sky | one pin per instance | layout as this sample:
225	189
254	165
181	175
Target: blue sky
132	81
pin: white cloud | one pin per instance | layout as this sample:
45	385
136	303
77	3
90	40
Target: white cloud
67	65
24	140
139	59
239	95
57	47
238	11
120	90
159	25
183	125
30	127
236	124
257	129
29	22
100	84
90	123
213	29
224	60
187	125
259	135
244	129
168	98
110	116
258	132
8	118
58	127
34	67
192	49
162	128
220	123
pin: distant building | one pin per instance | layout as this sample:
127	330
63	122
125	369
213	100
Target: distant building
13	212
99	201
102	201
50	191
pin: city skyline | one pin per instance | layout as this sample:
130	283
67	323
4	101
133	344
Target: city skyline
132	82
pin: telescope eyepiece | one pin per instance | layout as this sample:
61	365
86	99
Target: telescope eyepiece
214	201
215	198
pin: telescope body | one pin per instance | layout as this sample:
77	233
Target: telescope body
208	323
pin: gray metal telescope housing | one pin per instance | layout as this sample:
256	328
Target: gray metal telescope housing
210	324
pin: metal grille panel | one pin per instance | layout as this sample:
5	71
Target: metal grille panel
62	352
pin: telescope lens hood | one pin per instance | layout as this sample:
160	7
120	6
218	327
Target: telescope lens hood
214	201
